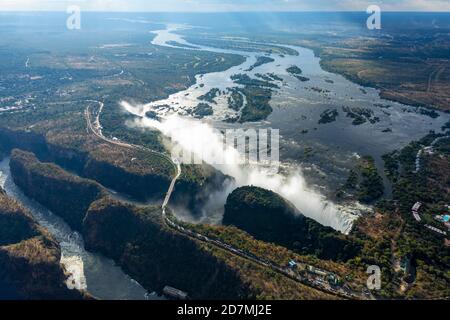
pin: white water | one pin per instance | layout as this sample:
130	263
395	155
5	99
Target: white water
297	108
201	139
99	276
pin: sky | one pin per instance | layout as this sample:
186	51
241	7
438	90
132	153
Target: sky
224	5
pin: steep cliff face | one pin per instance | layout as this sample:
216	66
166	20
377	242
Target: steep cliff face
29	258
15	224
269	217
155	255
141	187
132	172
196	184
67	157
26	140
64	194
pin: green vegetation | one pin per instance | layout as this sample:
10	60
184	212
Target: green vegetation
380	63
235	100
245	80
328	116
258	94
393	234
294	70
202	110
364	182
135	172
407	66
258	104
134	236
360	115
446	126
114	119
29	256
195	185
371	187
430	113
180	45
269	77
52	93
275	253
240	45
391	165
261	61
64	194
51	121
268	217
16	225
297	72
210	96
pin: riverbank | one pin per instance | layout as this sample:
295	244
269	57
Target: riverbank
97	275
306	145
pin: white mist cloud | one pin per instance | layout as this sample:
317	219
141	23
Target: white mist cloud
204	141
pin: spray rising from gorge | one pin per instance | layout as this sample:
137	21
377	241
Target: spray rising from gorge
203	141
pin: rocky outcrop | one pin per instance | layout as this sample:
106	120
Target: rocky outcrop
156	256
64	194
29	257
136	238
142	186
15	224
67	157
135	173
195	186
22	139
268	217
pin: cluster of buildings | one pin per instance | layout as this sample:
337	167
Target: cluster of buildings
445	219
415	211
330	277
427	151
175	294
436	230
418	167
323	275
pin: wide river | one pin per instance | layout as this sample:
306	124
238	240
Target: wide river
323	153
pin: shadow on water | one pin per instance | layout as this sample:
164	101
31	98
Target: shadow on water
99	276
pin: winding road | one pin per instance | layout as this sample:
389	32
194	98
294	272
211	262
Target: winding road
311	281
422	150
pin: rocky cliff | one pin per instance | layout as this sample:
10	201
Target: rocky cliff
195	186
29	257
136	238
63	193
136	173
144	246
269	217
22	139
157	256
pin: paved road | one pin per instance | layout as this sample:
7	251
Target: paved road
96	129
422	150
315	282
171	187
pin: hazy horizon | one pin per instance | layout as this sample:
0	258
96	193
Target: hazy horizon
208	6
